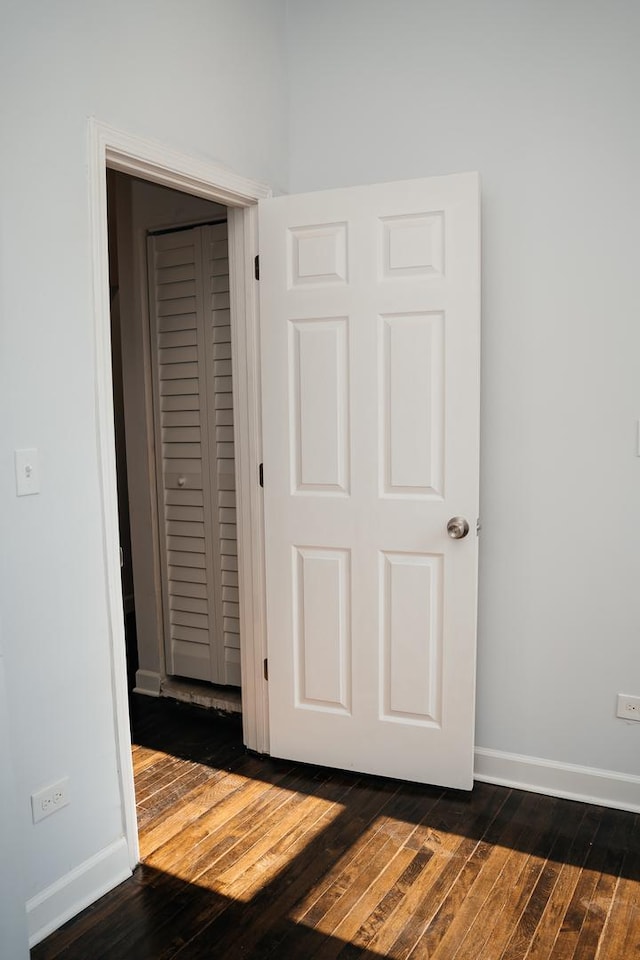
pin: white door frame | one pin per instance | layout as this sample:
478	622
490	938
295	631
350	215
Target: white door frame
157	163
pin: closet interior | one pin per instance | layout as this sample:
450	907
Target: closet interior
173	403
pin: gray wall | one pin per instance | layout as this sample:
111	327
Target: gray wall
207	78
541	97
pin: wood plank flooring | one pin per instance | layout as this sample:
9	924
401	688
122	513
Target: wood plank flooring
251	857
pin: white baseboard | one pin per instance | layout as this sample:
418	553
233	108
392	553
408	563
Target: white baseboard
78	889
587	784
148	682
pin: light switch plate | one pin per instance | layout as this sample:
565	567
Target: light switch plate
27	476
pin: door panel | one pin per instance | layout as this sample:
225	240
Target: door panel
370	306
320	405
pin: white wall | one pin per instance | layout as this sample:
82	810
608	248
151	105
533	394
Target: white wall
206	77
13	918
541	97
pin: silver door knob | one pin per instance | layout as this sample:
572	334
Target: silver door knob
457	528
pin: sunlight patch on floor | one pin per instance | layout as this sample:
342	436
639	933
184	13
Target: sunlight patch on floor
237	864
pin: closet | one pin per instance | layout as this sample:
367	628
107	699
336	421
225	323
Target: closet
190	336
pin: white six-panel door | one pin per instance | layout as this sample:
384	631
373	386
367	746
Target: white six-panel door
370	310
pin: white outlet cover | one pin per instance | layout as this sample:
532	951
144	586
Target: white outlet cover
628	707
49	799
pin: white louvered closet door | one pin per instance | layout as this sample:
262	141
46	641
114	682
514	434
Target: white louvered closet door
193	409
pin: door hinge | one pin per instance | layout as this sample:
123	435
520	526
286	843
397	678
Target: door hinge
478	527
261	474
256	267
266	668
121	557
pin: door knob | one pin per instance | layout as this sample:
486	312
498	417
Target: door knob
182	481
457	528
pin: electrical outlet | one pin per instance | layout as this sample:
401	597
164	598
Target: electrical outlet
628	707
49	799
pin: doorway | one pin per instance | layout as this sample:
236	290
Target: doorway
173	406
152	162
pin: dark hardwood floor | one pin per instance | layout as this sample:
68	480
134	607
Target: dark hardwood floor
251	857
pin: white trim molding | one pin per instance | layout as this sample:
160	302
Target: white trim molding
158	163
108	479
79	888
247	405
606	788
148	682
